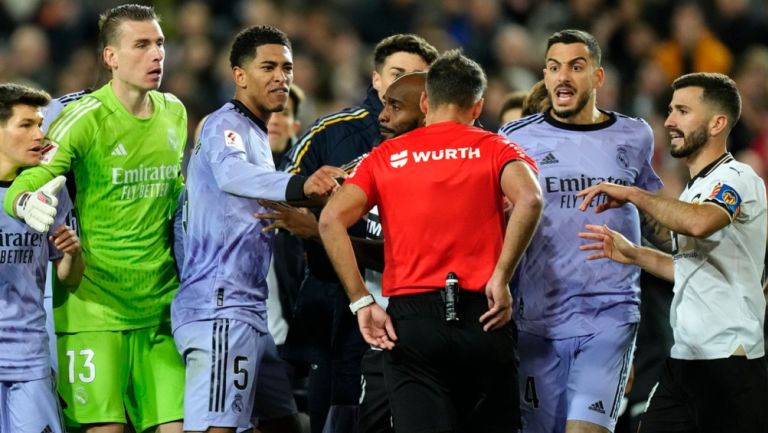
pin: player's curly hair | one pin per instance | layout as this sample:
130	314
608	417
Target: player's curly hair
12	94
246	42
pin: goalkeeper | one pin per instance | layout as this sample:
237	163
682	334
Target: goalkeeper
124	143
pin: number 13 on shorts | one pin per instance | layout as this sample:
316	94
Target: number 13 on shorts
83	362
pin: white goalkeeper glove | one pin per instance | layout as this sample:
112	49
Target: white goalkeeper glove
38	208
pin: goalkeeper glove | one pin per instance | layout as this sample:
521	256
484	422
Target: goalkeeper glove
38	208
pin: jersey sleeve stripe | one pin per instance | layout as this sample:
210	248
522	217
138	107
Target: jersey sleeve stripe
65	121
303	146
517	124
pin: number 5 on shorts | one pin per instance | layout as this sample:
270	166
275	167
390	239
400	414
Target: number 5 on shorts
86	357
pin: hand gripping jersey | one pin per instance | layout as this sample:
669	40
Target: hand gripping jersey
127	179
438	194
24	255
226	255
718	302
335	139
558	293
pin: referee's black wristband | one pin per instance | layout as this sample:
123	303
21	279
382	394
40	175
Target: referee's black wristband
295	189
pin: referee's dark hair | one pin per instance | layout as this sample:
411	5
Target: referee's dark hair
12	95
573	36
403	43
110	20
720	92
248	40
455	79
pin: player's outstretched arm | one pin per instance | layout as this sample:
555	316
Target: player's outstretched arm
518	181
345	208
610	244
69	269
697	220
296	220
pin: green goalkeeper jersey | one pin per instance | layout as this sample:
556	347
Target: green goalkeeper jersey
127	179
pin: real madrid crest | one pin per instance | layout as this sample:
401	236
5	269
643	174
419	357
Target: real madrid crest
621	157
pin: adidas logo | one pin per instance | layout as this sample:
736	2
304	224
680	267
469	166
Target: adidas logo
119	150
47	429
549	159
598	405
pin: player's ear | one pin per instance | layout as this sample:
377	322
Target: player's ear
599	77
376	81
423	102
296	127
477	108
717	124
238	76
109	57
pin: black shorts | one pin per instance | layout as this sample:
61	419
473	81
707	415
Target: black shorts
450	376
717	396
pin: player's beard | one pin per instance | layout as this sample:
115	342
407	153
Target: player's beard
692	142
580	104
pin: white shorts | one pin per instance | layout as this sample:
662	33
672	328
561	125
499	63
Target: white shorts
234	377
580	378
30	407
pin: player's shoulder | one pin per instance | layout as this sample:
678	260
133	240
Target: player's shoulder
343	123
169	102
87	111
730	168
630	121
225	117
523	124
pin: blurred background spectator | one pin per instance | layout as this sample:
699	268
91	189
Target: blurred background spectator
647	43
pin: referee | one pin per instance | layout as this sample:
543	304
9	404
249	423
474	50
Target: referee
454	176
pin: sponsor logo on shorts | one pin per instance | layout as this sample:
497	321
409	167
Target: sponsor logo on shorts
47	429
597	406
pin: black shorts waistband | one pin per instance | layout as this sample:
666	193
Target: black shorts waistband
431	304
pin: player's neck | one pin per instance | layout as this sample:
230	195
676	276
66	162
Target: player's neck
449	113
707	155
8	170
135	100
590	115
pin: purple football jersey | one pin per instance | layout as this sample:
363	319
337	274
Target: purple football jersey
558	293
226	255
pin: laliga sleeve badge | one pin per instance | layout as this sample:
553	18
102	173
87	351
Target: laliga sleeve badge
234	140
48	151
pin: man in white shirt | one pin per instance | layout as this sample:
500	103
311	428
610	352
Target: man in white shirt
715	379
